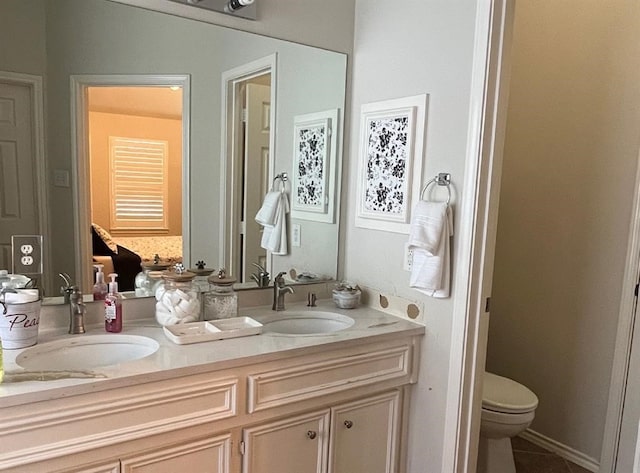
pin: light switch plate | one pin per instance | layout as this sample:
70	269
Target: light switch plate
27	254
296	236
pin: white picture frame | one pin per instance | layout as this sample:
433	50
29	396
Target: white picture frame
314	171
390	162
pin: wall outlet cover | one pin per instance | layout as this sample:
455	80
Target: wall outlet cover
26	253
407	262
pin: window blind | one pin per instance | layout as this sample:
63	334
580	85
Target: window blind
138	184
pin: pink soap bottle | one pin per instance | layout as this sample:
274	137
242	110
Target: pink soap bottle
113	307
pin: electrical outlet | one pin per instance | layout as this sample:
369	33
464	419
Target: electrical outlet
27	254
408	258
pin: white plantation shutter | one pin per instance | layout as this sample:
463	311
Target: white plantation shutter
138	187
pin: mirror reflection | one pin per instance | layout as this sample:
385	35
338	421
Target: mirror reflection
214	192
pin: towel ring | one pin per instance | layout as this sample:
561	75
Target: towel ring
442	179
282	177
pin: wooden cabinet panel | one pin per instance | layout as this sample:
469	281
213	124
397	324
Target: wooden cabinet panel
294	445
110	467
211	455
364	435
296	382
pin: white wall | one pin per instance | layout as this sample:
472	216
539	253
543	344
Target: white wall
420	47
567	184
302	21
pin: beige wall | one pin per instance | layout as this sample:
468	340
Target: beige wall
104	125
423	47
567	185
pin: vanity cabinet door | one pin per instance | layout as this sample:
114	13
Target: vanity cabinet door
364	435
297	444
209	455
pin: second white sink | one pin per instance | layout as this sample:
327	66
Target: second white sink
306	323
84	352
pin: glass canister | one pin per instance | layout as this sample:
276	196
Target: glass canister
147	281
221	301
177	300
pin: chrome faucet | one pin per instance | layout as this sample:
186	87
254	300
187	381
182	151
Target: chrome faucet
73	296
279	290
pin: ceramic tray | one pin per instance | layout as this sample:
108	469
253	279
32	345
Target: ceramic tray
196	332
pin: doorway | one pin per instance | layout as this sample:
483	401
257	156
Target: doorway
131	166
247	165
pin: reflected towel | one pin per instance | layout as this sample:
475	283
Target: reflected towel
429	239
267	213
274	237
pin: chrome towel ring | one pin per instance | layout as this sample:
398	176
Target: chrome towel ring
442	179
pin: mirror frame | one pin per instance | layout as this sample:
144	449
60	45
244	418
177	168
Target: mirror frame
80	157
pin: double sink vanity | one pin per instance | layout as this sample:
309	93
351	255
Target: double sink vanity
319	390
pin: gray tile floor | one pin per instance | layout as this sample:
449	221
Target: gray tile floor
530	458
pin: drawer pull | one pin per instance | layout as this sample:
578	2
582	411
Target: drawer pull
348	424
311	434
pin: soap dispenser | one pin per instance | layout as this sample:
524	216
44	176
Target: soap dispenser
113	307
100	288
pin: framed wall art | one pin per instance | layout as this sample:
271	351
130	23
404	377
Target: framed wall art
390	162
314	166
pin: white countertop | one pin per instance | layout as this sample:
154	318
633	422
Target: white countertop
172	360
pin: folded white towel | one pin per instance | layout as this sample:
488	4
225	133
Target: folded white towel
429	235
274	237
267	213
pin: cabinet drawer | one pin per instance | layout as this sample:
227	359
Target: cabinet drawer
297	382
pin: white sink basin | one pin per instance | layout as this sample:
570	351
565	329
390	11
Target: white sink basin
84	352
306	323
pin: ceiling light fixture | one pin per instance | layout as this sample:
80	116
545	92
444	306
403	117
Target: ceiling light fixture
235	5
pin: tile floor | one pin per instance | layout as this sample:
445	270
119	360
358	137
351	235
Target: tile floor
530	458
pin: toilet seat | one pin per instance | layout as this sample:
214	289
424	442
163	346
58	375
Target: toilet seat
500	394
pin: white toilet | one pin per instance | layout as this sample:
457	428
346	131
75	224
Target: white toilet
508	408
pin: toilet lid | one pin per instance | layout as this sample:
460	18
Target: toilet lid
506	395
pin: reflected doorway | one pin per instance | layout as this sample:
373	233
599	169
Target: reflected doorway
132	172
135	166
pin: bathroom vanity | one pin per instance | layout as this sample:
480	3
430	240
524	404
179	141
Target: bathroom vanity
267	403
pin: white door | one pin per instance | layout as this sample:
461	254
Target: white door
256	175
18	186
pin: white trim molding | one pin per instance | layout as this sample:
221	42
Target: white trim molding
479	205
80	151
624	337
229	149
561	449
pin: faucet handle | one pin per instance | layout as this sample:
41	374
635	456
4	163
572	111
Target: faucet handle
279	279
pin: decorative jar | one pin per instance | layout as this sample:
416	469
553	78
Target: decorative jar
178	299
221	301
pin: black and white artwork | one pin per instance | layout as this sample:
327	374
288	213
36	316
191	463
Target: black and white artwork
390	162
386	164
314	166
310	160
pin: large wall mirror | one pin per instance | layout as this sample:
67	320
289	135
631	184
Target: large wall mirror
81	48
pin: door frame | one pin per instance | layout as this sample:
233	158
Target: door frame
35	84
230	151
80	157
483	170
627	322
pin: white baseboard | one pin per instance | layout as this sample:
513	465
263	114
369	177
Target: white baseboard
562	450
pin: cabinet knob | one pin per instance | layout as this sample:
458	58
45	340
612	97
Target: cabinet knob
311	434
348	424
